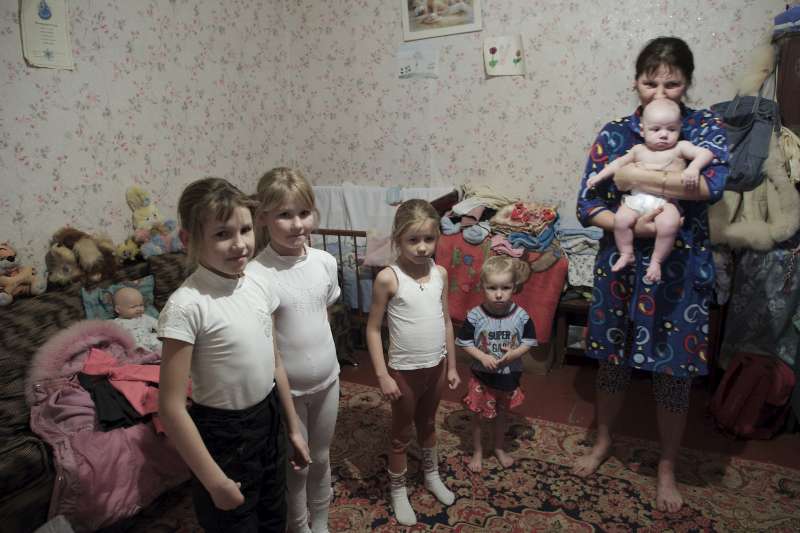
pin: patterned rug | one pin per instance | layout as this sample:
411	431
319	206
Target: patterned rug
538	493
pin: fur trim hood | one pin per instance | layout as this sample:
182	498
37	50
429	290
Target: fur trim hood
63	354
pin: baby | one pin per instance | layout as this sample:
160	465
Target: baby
129	306
661	127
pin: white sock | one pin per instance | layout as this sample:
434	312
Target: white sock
319	516
430	464
402	507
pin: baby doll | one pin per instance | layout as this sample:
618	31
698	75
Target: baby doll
661	150
129	306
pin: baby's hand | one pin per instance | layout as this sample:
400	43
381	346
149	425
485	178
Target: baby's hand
690	178
227	495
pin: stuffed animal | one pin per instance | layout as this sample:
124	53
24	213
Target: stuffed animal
128	251
151	234
78	256
17	280
144	210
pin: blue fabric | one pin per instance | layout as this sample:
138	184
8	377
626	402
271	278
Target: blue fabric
592	232
448	226
663	327
536	243
476	233
98	303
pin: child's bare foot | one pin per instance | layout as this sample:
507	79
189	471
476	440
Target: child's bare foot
653	274
475	462
503	458
586	465
668	497
623	261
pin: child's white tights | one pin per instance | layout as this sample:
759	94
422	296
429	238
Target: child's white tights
309	489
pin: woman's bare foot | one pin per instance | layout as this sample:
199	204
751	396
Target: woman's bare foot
668	497
623	261
586	465
476	461
653	274
503	458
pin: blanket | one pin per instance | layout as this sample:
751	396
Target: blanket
539	296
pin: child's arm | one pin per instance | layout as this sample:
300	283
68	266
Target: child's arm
302	457
176	362
609	170
700	158
383	288
489	362
452	372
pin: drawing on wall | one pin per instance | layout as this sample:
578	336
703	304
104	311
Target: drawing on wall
418	60
503	56
434	18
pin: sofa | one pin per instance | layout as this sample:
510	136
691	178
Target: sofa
26	467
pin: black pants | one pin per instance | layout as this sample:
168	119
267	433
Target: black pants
250	447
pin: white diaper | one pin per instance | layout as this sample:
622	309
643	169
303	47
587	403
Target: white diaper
643	202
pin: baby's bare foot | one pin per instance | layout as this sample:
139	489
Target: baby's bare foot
623	261
653	274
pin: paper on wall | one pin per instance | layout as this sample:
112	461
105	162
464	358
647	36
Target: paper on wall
503	56
45	34
418	60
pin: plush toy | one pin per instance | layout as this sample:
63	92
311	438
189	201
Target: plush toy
78	256
17	280
144	210
128	251
152	235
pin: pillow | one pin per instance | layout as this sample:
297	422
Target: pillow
98	302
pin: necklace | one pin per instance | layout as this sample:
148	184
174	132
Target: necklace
421	286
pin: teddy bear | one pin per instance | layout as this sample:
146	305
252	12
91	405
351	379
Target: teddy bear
151	234
78	256
16	280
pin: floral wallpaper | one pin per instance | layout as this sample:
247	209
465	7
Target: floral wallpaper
166	91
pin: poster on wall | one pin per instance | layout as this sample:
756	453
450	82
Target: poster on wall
503	56
45	34
435	18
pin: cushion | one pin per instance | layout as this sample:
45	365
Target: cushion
98	302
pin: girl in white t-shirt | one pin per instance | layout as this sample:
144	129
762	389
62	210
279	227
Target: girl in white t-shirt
413	293
306	281
217	327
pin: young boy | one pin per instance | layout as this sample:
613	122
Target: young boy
661	127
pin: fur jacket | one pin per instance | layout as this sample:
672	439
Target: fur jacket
760	218
101	477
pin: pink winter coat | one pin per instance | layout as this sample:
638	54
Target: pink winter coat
101	477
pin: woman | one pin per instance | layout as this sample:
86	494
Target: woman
661	328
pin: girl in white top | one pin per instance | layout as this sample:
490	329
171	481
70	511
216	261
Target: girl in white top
306	281
217	327
413	293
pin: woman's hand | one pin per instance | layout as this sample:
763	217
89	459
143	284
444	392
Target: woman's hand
389	388
227	495
301	457
624	178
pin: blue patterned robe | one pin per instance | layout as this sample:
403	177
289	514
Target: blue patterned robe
656	327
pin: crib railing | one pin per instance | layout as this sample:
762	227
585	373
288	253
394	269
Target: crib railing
348	322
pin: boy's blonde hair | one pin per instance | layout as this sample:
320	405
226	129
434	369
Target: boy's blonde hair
412	213
276	187
502	264
204	198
